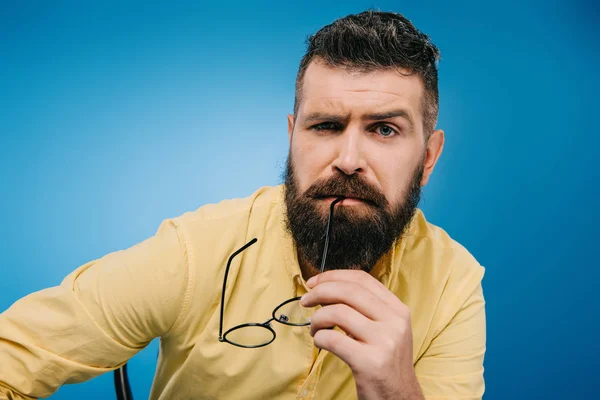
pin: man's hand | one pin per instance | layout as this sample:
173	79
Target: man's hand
378	342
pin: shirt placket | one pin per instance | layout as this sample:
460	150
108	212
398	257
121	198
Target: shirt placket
308	389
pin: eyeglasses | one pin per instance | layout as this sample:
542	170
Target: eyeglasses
290	312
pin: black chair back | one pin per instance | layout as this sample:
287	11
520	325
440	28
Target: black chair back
122	386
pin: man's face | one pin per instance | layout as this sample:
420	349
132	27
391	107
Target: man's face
359	136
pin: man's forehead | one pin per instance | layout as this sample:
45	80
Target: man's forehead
337	89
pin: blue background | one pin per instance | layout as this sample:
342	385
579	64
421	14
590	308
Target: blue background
114	117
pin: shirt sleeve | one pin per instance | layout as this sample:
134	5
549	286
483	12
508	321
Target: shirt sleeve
452	366
101	315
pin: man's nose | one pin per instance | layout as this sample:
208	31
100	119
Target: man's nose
350	159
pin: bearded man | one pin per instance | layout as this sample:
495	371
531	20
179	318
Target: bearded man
330	286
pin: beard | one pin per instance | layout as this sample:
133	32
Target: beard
361	234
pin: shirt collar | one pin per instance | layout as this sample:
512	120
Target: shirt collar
288	246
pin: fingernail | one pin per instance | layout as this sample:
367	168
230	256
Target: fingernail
302	299
312	281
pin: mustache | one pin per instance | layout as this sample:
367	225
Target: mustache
347	186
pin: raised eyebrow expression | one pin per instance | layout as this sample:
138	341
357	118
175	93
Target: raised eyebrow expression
321	117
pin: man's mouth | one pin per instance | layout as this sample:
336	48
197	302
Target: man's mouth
347	200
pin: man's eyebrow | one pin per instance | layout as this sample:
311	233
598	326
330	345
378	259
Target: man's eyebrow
388	115
320	116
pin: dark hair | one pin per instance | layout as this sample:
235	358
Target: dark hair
374	40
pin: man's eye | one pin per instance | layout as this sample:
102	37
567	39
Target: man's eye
325	126
386	131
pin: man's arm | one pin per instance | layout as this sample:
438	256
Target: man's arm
100	316
452	366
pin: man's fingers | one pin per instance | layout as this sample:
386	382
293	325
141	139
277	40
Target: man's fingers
346	348
349	293
346	318
355	276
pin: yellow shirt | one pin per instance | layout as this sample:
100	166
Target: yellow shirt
169	286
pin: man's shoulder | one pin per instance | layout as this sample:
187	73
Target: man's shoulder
224	226
441	279
263	201
437	258
423	229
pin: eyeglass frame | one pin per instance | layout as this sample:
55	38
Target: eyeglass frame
267	324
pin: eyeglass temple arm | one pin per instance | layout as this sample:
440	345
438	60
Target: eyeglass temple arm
329	227
244	247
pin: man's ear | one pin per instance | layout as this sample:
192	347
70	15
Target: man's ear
290	119
434	149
